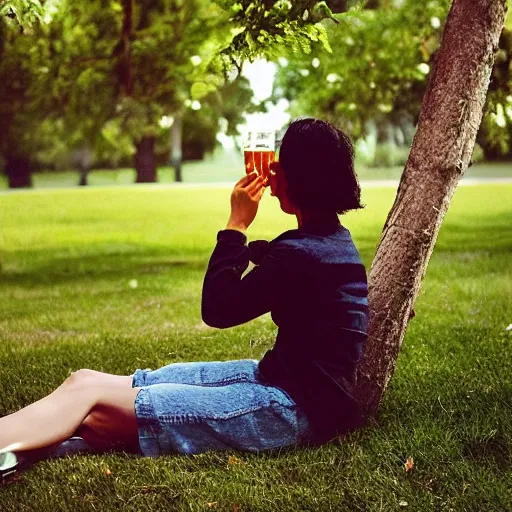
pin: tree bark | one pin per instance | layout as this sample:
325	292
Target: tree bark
177	146
122	51
17	169
441	151
144	160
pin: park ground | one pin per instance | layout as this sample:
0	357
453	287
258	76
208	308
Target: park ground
110	278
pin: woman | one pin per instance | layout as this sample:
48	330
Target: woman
312	281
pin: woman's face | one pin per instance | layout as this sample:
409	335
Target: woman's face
279	186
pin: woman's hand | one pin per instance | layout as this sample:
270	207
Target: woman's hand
245	199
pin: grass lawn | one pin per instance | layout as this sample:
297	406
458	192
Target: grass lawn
68	257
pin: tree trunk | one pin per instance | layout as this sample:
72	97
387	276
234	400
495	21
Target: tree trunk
442	147
83	158
84	173
122	51
17	169
176	146
145	165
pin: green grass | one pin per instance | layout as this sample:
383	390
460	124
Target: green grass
65	303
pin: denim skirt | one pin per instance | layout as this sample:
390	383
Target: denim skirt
191	408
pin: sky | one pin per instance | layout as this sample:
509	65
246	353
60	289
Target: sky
260	74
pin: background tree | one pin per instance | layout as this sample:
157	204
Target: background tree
54	81
23	101
495	135
79	38
374	82
171	57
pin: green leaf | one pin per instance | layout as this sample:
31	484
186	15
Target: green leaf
200	89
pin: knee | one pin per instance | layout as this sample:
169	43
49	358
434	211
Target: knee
81	378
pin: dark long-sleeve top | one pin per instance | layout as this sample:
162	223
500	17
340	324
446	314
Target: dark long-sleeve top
314	284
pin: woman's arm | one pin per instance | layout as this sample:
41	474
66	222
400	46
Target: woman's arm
228	299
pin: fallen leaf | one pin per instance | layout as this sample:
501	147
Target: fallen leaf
403	503
236	507
211	504
108	472
409	464
232	460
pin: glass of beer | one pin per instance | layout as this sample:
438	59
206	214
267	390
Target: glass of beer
259	152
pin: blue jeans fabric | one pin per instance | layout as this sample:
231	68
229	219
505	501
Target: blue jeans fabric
191	408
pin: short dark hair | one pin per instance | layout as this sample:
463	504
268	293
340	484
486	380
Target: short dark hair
318	162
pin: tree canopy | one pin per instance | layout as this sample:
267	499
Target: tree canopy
378	69
378	72
88	66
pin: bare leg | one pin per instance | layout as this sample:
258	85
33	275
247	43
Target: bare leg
57	417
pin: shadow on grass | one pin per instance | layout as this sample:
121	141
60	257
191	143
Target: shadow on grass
473	241
494	448
61	270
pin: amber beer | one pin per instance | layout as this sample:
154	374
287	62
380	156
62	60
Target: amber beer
259	160
259	151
